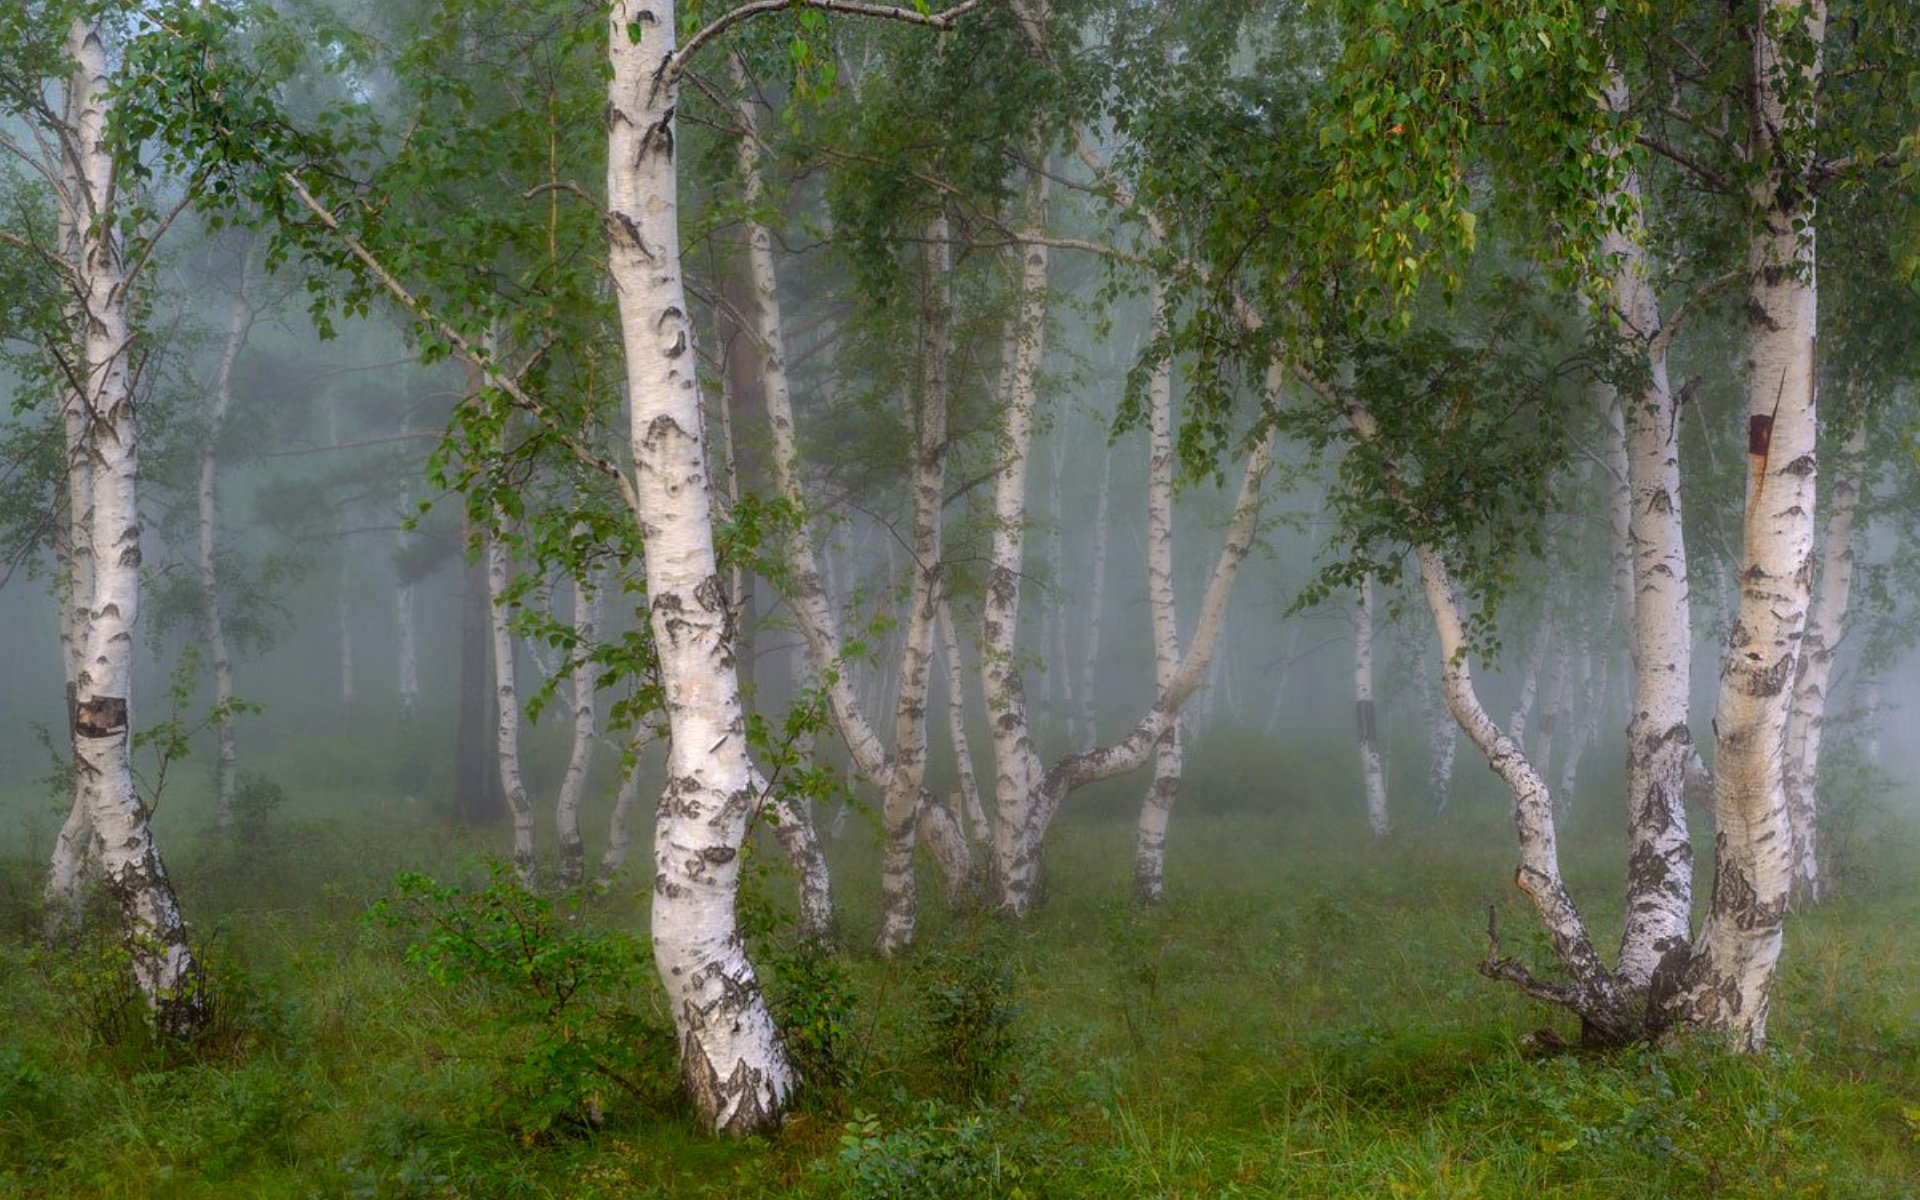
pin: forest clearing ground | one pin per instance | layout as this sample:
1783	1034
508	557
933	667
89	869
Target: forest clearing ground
1302	1019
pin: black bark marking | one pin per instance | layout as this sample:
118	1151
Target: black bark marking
102	716
1759	434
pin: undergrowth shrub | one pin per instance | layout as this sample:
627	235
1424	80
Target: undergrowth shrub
565	997
967	1016
939	1153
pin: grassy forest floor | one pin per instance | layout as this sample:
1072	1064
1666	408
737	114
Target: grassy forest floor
1303	1019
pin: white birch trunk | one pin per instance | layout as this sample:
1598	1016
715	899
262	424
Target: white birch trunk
154	931
573	784
1590	988
1017	766
619	823
899	902
734	1066
972	815
1825	629
1658	610
1132	751
1096	604
1594	699
1530	684
1150	835
218	401
405	616
1728	980
74	847
1443	739
1378	821
506	732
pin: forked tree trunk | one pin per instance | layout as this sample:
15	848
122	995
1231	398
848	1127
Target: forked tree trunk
218	401
1132	751
1825	629
1727	982
154	932
1371	772
506	693
573	785
732	1060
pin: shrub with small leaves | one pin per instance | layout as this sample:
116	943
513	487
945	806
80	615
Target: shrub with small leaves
941	1154
967	1017
566	995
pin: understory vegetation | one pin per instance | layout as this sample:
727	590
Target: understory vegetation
396	1019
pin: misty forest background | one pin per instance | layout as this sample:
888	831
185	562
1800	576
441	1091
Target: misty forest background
1149	462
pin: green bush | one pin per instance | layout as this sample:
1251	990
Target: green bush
558	991
967	1017
940	1154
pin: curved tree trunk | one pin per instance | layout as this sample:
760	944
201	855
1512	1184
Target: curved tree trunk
1590	989
732	1060
155	933
1825	629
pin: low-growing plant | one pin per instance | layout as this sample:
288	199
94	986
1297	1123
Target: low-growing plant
939	1154
560	989
967	1016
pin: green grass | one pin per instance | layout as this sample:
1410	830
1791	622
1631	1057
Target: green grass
1303	1019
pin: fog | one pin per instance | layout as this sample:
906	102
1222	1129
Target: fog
957	600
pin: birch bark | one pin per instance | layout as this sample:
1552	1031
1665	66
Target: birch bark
506	691
1727	981
219	398
573	784
75	844
1150	837
154	931
1825	629
1017	766
899	904
1096	605
1658	610
735	1068
1378	821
